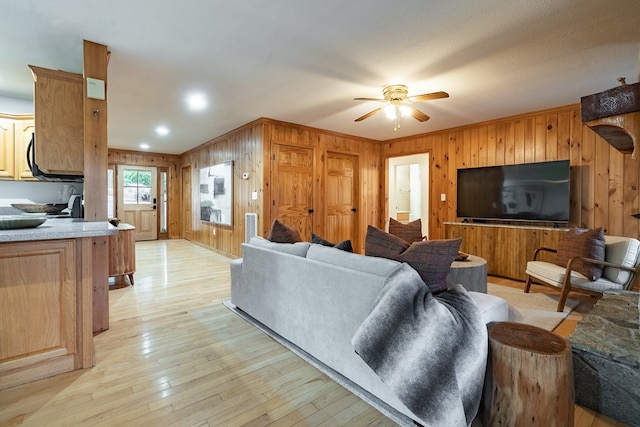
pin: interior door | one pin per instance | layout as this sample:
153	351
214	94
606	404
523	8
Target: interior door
292	187
137	199
341	196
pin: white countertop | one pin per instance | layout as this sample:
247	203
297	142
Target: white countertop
59	228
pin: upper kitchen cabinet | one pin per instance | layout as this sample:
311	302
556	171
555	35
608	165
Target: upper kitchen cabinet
59	127
15	134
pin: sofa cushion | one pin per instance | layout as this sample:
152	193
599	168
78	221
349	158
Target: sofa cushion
584	243
621	251
410	232
372	265
345	245
298	248
282	233
430	258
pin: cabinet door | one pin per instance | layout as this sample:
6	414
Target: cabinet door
59	121
7	163
24	130
37	309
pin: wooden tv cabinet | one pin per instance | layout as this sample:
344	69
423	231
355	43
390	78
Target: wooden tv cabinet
507	248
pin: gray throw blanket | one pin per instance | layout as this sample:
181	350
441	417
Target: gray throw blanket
430	350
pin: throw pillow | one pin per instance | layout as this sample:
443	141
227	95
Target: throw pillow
585	243
430	258
410	232
345	245
282	233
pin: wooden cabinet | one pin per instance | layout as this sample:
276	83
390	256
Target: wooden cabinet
42	305
59	121
15	134
507	248
122	252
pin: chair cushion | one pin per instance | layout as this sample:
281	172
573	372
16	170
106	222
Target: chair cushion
554	275
282	233
584	243
622	251
410	232
430	258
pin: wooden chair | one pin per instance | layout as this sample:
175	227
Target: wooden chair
621	270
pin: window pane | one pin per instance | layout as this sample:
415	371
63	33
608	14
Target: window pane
130	178
130	195
144	178
144	196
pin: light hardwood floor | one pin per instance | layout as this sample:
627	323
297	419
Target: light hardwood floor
175	356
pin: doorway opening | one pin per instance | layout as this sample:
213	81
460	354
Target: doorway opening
408	189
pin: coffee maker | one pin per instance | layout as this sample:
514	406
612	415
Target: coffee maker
76	206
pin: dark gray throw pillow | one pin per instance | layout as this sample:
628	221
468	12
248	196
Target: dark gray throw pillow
282	233
410	232
430	258
345	245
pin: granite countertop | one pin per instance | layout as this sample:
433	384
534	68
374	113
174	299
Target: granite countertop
612	328
59	228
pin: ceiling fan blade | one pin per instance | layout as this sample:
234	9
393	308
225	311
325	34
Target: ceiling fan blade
419	115
428	96
369	99
369	114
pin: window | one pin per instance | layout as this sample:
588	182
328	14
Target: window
137	187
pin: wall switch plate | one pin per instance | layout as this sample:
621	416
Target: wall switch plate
95	88
213	231
443	197
254	195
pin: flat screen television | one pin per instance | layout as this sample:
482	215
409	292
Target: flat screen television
536	192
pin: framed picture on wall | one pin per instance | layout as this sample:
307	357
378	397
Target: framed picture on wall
216	193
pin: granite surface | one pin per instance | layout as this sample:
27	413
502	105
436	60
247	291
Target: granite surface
59	228
612	328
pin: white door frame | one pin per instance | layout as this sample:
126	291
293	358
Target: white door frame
421	159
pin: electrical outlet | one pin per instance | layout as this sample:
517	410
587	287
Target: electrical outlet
443	197
214	231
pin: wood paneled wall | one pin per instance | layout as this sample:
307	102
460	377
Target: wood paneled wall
171	162
243	146
249	147
604	182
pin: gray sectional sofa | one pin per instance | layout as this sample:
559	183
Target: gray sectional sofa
316	297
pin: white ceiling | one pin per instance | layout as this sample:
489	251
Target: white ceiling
304	62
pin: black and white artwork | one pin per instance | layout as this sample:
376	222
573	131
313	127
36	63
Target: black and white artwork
216	190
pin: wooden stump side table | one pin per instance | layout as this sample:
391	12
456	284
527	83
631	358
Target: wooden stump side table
529	377
122	252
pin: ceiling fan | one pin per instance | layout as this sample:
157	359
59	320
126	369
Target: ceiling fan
397	100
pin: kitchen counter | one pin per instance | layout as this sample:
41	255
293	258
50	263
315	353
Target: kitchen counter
59	228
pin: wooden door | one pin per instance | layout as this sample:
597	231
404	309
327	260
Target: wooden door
187	225
341	198
292	187
137	199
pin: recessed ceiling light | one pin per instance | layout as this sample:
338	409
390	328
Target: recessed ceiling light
144	146
196	101
162	130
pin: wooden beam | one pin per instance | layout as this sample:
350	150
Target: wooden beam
95	134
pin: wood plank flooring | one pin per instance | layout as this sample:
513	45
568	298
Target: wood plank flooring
175	356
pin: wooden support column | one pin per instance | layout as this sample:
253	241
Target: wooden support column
95	134
96	57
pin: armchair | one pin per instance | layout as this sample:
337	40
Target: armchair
621	269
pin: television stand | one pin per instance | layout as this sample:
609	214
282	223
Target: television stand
507	248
